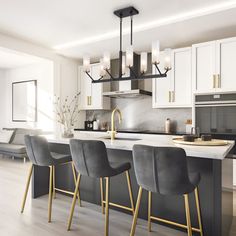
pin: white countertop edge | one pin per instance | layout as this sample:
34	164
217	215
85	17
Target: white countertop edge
209	152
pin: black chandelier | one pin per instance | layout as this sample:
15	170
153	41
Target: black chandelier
127	61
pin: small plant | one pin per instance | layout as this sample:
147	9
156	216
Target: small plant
67	112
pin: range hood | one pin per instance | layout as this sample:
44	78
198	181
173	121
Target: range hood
131	88
133	93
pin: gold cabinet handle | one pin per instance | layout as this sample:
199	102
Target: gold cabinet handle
87	100
173	96
169	96
214	81
218	81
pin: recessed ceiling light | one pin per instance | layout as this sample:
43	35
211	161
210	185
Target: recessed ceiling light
152	24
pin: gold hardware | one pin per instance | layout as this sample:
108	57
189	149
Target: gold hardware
169	96
73	202
173	96
27	187
87	100
54	183
187	211
130	191
218	81
50	194
149	210
134	223
107	208
74	175
198	211
214	81
102	195
113	132
132	208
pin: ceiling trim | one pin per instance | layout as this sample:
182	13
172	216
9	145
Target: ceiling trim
152	24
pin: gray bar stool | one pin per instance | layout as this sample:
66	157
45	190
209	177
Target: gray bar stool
39	154
164	170
90	159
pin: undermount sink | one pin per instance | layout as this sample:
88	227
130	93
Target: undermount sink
119	138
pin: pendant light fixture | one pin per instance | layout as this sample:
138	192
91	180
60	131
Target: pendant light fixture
127	60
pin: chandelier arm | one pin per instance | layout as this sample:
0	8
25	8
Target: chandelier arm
158	68
166	71
90	76
108	72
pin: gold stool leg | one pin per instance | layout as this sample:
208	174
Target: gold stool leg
188	218
27	188
107	208
74	175
73	202
54	182
136	212
130	191
149	210
102	195
50	194
198	210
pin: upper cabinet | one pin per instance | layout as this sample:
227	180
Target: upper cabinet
213	66
91	97
176	89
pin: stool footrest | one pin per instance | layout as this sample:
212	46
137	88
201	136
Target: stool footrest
119	206
64	191
173	223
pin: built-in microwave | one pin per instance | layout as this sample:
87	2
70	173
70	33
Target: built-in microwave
215	113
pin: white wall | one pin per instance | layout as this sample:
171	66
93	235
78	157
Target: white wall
2	97
43	73
65	74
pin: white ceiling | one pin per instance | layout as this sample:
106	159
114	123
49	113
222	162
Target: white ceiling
12	59
75	27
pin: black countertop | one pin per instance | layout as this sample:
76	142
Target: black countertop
136	132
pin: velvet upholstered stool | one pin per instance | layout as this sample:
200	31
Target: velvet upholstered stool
90	159
164	170
39	154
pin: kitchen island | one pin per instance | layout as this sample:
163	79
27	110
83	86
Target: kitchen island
213	163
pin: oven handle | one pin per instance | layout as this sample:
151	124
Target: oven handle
216	105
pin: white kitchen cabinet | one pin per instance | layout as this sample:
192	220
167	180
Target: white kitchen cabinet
176	89
161	87
226	64
91	97
213	66
204	67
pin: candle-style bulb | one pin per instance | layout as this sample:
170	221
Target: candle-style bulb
102	69
167	60
106	61
155	52
86	63
143	62
129	56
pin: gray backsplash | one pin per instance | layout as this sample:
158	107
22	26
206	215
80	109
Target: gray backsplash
139	114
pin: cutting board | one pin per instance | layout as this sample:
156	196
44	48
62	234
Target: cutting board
199	142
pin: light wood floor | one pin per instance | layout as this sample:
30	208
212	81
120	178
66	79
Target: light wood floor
88	220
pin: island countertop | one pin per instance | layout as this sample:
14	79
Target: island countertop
128	140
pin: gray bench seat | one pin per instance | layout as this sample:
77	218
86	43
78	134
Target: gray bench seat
15	149
16	146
